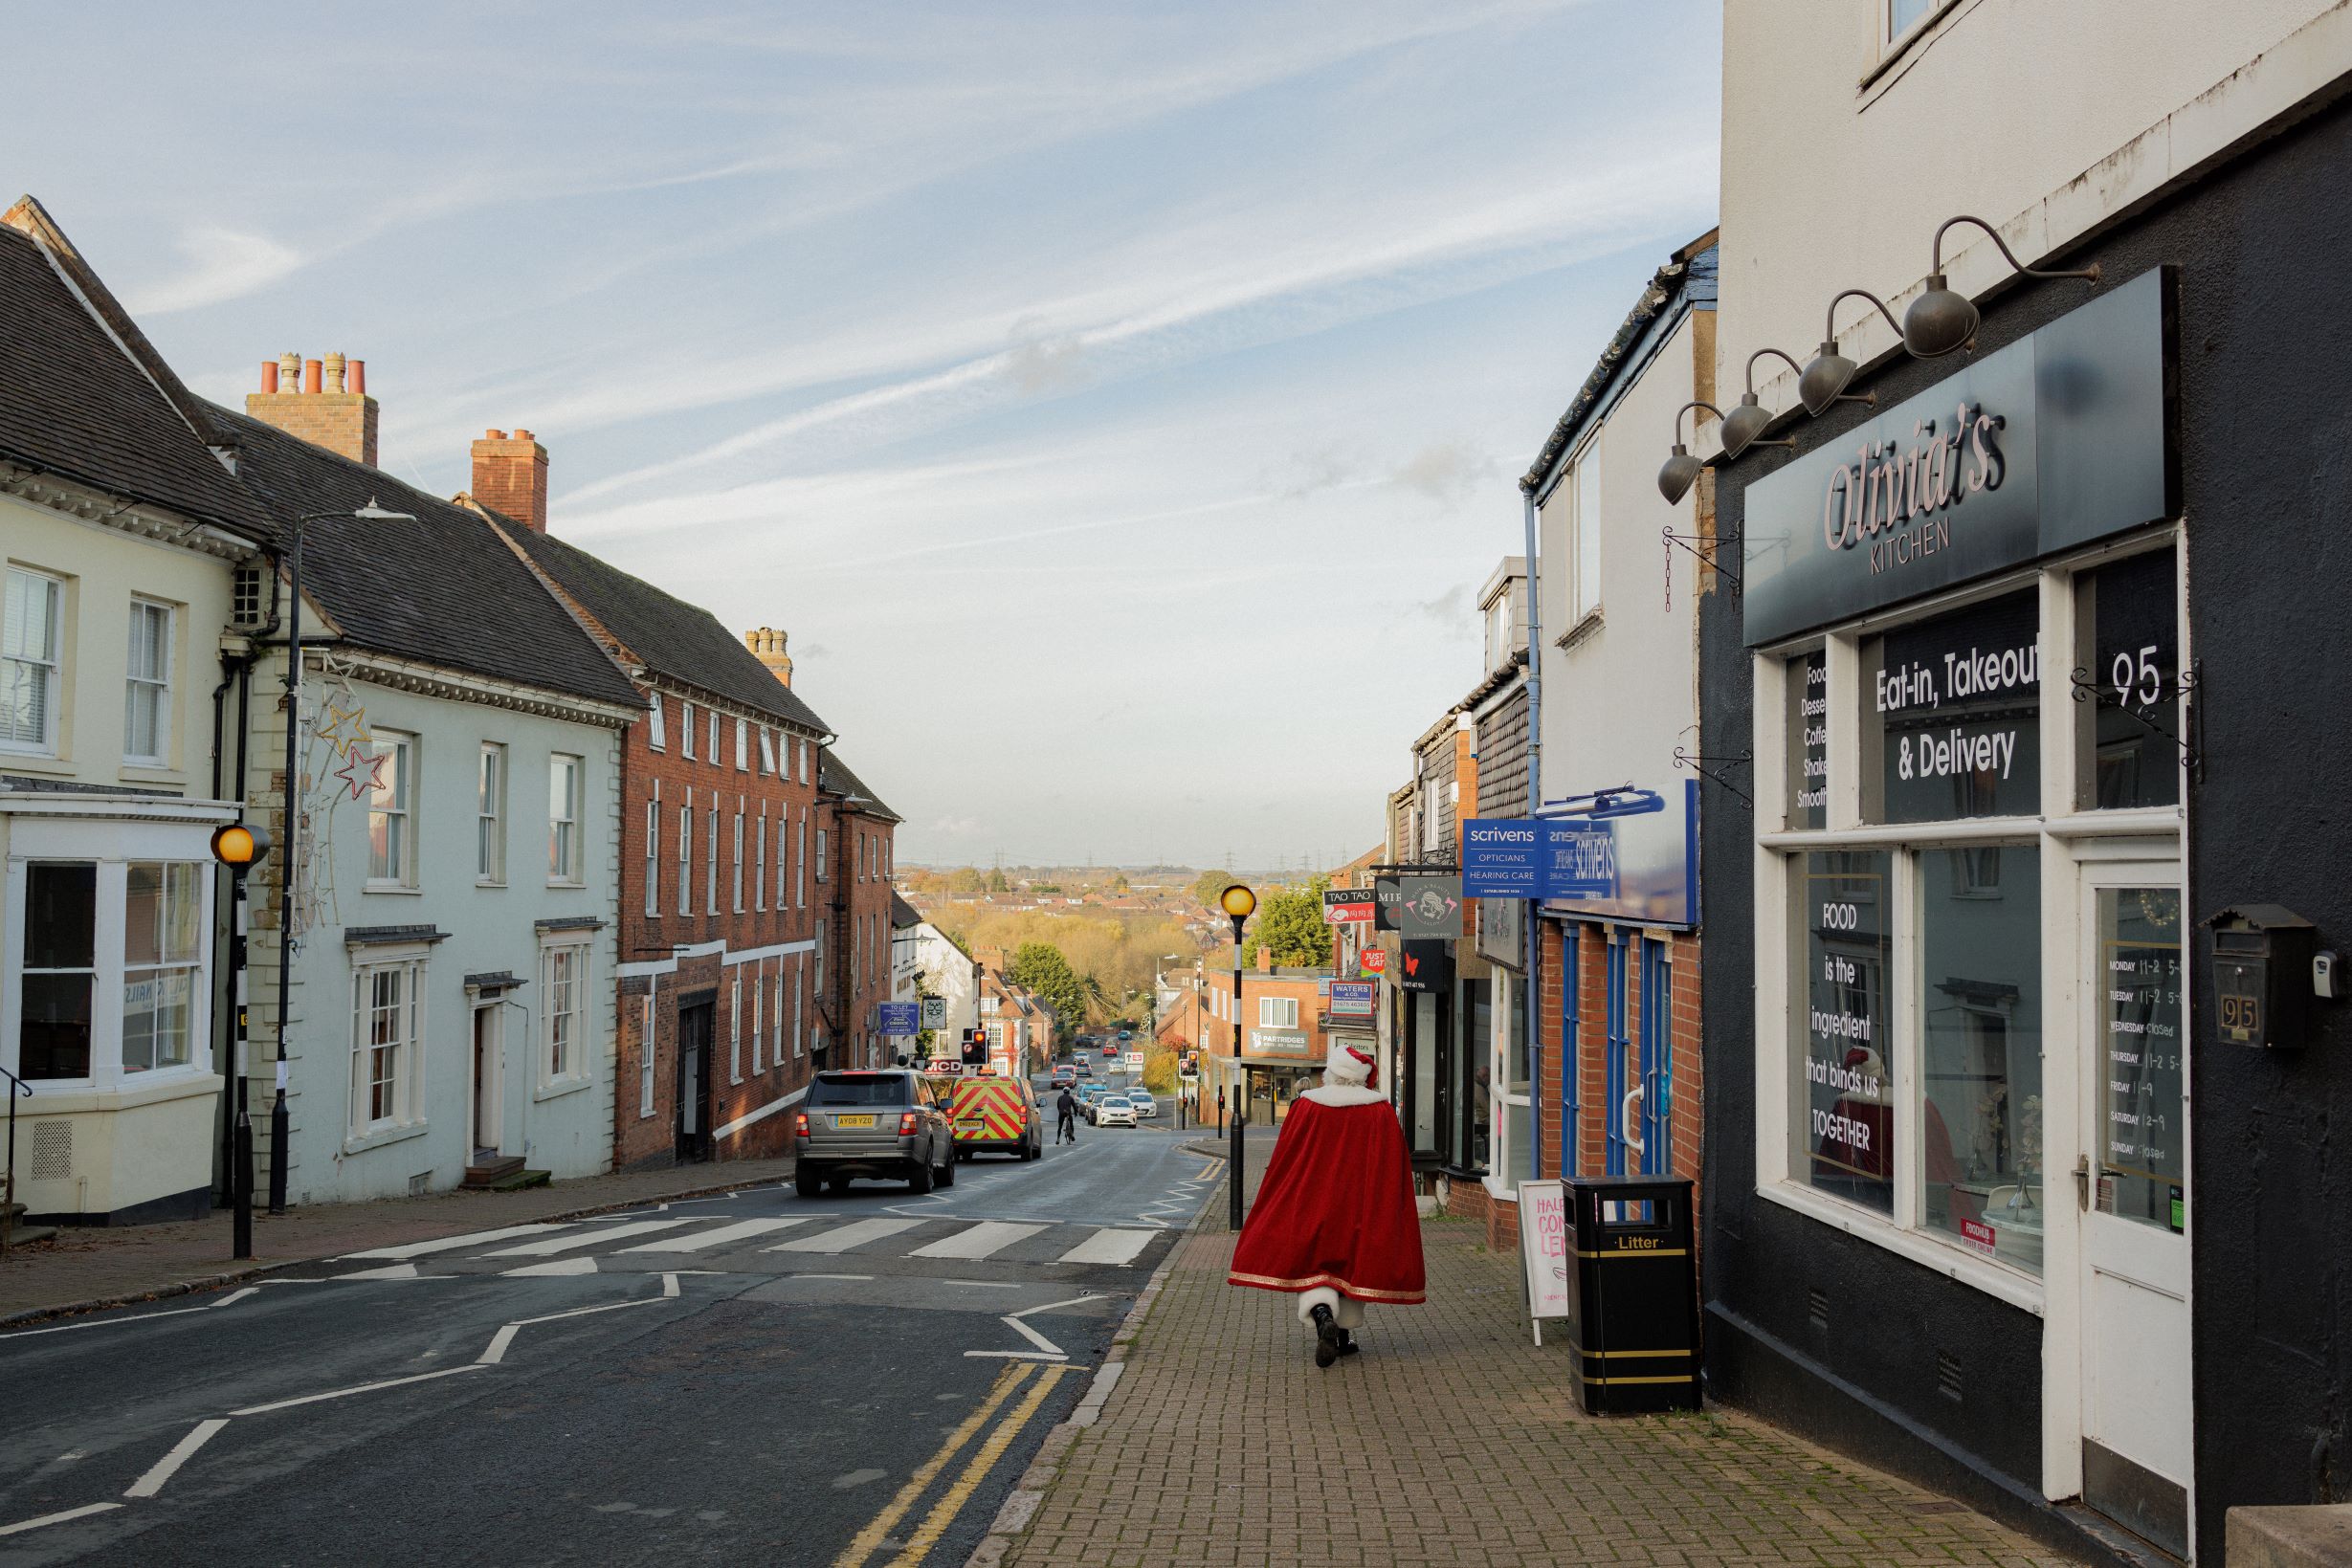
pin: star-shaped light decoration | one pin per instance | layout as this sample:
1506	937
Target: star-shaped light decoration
346	728
363	772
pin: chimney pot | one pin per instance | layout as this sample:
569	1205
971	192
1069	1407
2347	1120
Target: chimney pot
521	435
312	371
289	371
510	476
343	426
334	372
767	642
359	376
494	435
269	375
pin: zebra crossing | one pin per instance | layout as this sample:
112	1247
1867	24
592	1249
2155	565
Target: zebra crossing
767	1245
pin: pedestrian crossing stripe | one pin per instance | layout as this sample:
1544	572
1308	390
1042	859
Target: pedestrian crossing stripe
563	1248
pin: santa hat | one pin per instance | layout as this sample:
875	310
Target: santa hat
1350	1067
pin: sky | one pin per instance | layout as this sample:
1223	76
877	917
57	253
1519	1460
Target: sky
1119	406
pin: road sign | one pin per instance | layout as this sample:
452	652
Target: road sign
1373	960
1135	1061
935	1012
1354	997
901	1017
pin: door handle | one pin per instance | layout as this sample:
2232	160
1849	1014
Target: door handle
2082	1182
1632	1138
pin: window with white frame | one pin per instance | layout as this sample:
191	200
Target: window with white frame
759	863
686	729
685	857
739	860
759	996
1902	16
710	866
804	761
645	1056
1582	486
742	745
653	853
563	1003
146	698
387	1046
775	1011
162	961
783	816
713	749
800	860
734	1030
797	965
59	975
1277	1012
90	1006
490	814
391	811
563	838
1514	1111
767	750
821	872
653	735
31	660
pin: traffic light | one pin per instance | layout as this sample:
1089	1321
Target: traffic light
976	1047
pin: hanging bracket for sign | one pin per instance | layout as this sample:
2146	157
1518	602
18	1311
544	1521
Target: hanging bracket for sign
1695	762
1702	549
2087	690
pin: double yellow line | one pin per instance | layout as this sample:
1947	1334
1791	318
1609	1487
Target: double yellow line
984	1458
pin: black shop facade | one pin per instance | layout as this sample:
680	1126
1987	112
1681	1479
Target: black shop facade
2021	1077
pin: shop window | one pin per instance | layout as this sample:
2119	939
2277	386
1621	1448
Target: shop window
1981	1049
1951	715
163	956
1516	1153
1809	741
2129	689
1843	1130
61	970
1473	1132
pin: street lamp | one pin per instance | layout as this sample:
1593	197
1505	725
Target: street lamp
371	513
1238	903
238	846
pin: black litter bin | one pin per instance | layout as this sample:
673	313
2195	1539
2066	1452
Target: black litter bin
1633	1293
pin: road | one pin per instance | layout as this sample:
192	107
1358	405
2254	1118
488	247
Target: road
853	1380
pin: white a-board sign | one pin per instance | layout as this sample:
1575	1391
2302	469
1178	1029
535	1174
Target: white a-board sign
1544	1251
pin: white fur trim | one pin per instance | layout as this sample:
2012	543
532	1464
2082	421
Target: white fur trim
1348	1313
1345	1094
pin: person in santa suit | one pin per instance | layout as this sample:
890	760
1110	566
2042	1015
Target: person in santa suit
1334	1222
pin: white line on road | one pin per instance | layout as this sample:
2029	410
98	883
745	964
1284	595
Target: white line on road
1039	1340
859	1278
986	1284
564	1244
81	1512
165	1468
552	1268
417	1249
854	1234
234	1296
977	1241
360	1388
1110	1247
703	1241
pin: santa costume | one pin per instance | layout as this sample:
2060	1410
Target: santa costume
1334	1222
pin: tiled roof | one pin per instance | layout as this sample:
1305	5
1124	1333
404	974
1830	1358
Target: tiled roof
444	590
902	913
73	404
834	778
664	633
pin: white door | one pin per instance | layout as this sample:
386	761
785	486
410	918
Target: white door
488	1114
2133	1190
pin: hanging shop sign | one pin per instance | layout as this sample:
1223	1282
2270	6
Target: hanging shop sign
1431	907
1502	931
935	1012
1344	906
1426	966
899	1018
1641	866
1373	960
1354	997
2058	439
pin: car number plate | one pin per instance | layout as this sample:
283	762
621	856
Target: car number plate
853	1121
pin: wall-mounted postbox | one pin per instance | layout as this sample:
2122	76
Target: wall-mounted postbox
2262	975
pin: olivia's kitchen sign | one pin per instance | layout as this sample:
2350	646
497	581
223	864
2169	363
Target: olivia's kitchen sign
2060	438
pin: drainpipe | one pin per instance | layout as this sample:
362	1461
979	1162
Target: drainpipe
1535	906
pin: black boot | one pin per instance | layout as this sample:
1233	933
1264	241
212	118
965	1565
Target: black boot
1347	1343
1328	1335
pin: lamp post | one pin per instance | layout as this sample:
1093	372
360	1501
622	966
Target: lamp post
238	847
1238	903
371	513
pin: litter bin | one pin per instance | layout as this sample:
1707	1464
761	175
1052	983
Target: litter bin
1633	1293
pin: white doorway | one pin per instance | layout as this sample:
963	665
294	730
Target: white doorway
2132	1194
489	1118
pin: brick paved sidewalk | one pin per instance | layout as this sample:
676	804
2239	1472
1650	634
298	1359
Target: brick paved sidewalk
103	1266
1450	1440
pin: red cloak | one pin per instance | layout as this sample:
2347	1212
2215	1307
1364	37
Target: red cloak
1335	1209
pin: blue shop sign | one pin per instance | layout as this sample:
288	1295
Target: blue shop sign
902	1018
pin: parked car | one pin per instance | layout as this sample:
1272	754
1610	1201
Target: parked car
1142	1102
1115	1111
883	1124
1084	1067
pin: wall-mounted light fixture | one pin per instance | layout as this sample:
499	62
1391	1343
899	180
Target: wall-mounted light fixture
1826	378
1681	470
1746	422
1939	319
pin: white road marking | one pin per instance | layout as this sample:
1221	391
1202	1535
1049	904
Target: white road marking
1048	1346
81	1512
860	1279
978	1242
984	1283
703	1241
165	1468
231	1299
390	1271
564	1244
237	1295
1111	1246
553	1268
1047	1350
856	1233
417	1249
360	1388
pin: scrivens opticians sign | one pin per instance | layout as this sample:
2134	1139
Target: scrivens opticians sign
2060	438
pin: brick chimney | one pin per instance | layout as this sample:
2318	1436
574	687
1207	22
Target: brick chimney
510	476
323	402
767	642
1265	960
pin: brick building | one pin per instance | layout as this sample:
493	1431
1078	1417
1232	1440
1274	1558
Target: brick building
1284	1037
854	857
725	872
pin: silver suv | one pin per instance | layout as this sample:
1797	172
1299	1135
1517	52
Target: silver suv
883	1123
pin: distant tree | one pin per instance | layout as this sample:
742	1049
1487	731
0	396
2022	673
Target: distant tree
1041	967
1044	887
997	882
1291	922
1118	883
1207	886
964	879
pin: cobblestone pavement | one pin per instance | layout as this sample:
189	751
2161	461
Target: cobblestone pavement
1450	1440
97	1266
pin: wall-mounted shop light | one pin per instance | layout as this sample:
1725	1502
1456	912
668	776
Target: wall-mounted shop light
1939	319
1826	378
1746	422
1681	470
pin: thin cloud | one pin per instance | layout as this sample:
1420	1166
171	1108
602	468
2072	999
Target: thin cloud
222	264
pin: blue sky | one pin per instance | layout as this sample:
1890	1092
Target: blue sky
1120	406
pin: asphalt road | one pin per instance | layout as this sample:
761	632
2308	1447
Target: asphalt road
855	1380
